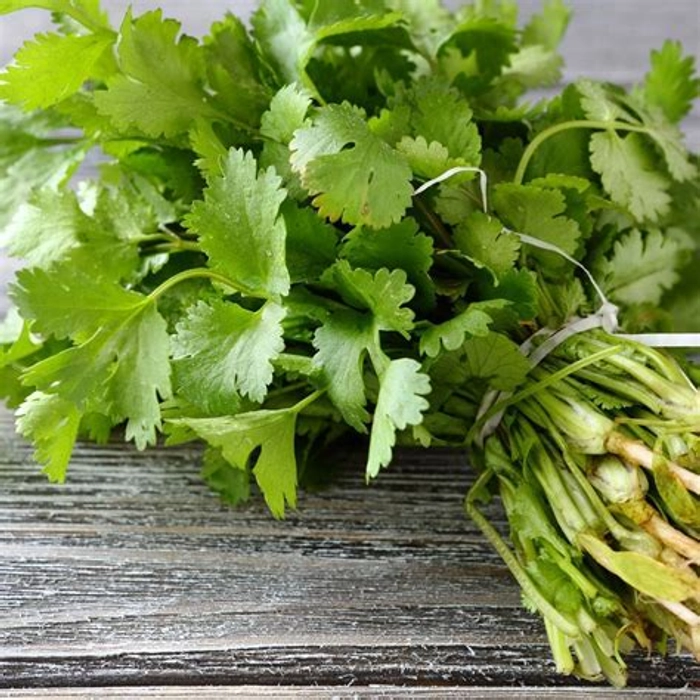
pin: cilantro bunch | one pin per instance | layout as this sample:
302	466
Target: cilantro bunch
255	265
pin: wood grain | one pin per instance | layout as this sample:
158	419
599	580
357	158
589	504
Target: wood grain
133	574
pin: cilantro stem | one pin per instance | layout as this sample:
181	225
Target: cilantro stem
436	225
196	273
566	126
304	403
520	575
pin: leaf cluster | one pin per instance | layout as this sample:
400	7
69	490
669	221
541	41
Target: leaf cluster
252	267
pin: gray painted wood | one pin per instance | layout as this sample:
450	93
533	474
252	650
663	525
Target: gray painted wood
133	581
134	574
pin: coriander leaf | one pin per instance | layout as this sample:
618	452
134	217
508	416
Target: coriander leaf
476	53
547	27
401	246
283	37
386	29
161	89
85	12
286	113
496	359
69	302
311	243
17	345
231	482
342	343
52	424
235	72
519	289
240	226
31	169
474	321
51	227
426	160
485	242
531	67
641	268
120	371
263	440
439	113
669	140
383	294
400	403
120	364
45	229
51	68
537	212
672	84
140	376
600	103
222	350
630	175
353	174
430	23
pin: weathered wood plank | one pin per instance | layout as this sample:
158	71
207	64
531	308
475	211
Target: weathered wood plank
133	573
325	692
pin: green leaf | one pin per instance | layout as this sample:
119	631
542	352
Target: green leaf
222	351
537	212
45	229
240	226
86	12
235	72
51	68
52	425
231	482
496	359
342	343
400	403
644	574
161	89
630	175
68	302
477	52
261	440
120	365
600	103
547	27
642	268
430	23
28	163
286	113
401	246
485	242
438	113
383	293
311	243
672	83
288	43
353	174
283	38
474	321
426	160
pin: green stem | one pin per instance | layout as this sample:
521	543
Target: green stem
436	225
566	126
304	403
196	273
520	575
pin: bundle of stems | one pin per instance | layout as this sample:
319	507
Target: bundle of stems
596	464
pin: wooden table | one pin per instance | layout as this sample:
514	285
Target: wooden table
132	580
